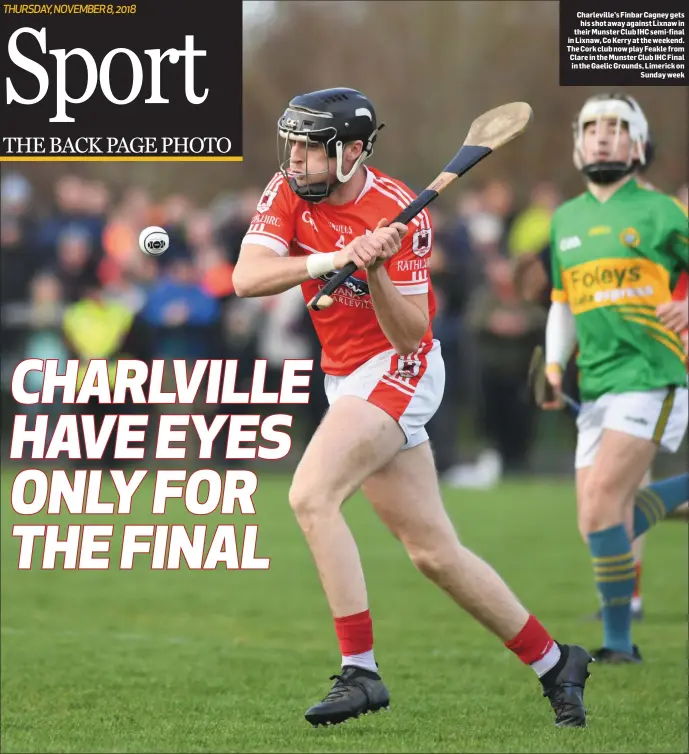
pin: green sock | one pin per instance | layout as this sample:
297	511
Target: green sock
654	502
613	567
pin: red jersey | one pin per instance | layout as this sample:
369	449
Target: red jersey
682	287
348	331
680	294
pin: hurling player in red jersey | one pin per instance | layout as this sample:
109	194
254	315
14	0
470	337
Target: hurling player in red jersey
675	314
384	381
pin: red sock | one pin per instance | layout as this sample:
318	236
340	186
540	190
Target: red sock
355	633
532	643
637	579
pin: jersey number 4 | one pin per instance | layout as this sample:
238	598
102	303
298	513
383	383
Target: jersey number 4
341	243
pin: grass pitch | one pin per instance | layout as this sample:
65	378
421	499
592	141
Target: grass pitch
218	661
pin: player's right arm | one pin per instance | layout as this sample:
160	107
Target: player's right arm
260	271
264	267
560	330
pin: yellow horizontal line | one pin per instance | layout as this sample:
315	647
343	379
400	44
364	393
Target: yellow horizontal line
607	579
614	558
638	308
680	204
655	502
672	337
646	508
143	158
612	568
607	570
679	353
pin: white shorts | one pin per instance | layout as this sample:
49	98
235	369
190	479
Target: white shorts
408	389
658	415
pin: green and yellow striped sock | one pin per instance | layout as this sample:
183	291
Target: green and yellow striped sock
654	502
613	568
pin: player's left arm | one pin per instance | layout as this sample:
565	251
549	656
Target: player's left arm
399	290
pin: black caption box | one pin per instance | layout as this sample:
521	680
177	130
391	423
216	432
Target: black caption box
617	44
157	79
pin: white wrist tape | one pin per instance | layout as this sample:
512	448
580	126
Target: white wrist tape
320	264
560	334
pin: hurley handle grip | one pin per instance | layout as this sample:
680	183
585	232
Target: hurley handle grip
323	299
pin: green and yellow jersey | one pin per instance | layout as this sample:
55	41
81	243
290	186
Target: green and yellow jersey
614	262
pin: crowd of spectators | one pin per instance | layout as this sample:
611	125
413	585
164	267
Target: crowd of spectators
74	284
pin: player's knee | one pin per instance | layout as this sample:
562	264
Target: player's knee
432	562
597	518
307	502
597	490
590	519
301	500
427	562
602	506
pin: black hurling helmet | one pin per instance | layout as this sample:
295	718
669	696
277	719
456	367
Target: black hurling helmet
333	118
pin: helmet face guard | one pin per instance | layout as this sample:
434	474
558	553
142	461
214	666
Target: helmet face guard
332	131
312	129
623	110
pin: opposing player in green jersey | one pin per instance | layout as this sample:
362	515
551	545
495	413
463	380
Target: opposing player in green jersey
618	250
